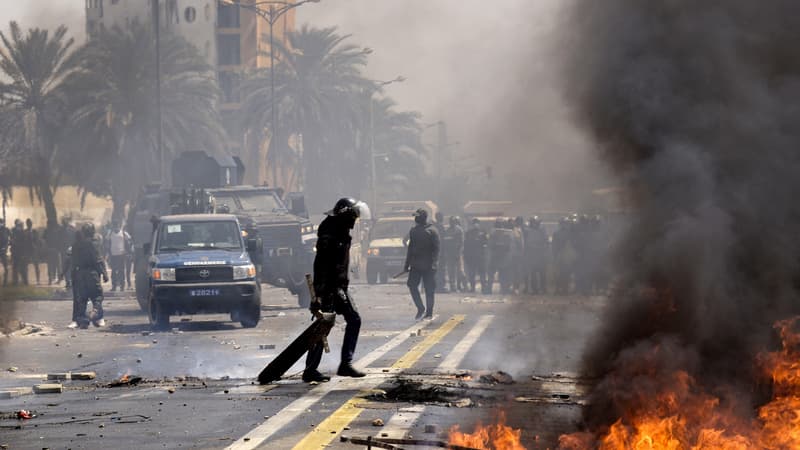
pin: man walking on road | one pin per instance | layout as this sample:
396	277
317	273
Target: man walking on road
118	240
331	282
421	262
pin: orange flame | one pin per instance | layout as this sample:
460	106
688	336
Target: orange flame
492	437
680	415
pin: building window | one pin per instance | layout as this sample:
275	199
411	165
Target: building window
228	50
190	14
230	85
227	16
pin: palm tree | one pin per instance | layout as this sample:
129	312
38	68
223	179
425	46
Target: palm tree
318	80
115	105
33	102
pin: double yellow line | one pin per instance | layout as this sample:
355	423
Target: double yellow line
326	431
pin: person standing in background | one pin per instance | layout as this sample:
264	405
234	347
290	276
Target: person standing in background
5	240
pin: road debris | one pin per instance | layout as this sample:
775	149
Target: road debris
125	380
59	376
24	414
395	444
83	375
13	369
377	423
48	388
431	428
498	377
266	346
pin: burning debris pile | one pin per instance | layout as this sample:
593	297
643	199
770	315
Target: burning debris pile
695	106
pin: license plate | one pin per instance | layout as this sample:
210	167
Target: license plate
204	292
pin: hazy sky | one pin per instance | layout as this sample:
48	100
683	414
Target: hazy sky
481	66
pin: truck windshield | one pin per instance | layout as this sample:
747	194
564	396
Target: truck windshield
264	201
391	229
184	236
249	201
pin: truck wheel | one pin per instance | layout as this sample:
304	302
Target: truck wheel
159	316
372	275
303	297
140	283
249	316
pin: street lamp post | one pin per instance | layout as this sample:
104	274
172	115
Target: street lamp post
377	86
274	10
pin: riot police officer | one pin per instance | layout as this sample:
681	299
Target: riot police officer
88	268
421	262
500	253
331	282
441	285
453	248
536	257
475	245
21	250
5	240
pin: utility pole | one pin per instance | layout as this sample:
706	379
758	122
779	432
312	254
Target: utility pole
441	146
160	132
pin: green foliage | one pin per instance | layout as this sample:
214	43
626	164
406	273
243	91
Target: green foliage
114	105
322	95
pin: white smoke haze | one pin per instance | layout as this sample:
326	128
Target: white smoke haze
48	14
485	68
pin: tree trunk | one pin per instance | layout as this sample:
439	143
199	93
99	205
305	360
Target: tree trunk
47	197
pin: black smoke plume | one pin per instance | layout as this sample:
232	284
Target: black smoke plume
696	107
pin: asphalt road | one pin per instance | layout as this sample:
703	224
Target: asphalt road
197	387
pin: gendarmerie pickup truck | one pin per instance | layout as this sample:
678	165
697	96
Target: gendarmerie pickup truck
199	264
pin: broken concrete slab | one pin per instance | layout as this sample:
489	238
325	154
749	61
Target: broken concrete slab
48	388
83	375
58	376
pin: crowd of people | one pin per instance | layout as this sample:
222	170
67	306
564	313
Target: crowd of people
520	257
24	249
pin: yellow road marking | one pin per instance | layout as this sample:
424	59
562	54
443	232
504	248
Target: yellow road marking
413	355
325	432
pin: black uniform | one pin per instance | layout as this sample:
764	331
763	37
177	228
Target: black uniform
453	243
21	250
536	259
475	246
422	260
5	240
87	269
501	242
330	285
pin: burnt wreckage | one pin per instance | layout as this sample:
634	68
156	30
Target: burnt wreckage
205	184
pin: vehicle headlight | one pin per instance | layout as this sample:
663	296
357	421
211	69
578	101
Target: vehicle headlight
164	274
374	252
242	272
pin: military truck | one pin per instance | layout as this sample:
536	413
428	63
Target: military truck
386	252
204	184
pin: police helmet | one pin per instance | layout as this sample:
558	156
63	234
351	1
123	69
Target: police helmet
534	222
421	216
350	206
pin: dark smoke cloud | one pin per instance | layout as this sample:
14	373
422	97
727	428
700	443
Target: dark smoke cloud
696	106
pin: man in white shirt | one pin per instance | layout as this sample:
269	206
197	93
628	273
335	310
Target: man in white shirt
118	240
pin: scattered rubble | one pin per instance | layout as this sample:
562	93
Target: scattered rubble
125	380
498	377
377	423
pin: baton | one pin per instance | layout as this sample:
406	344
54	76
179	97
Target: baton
400	274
